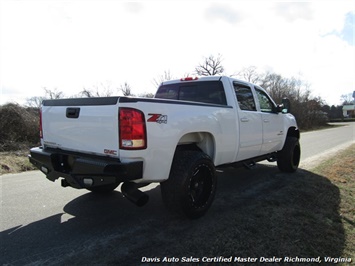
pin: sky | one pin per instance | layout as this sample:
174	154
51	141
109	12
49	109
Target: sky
71	45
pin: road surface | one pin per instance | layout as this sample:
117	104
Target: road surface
45	224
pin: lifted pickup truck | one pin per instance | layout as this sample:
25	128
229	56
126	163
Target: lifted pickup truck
177	139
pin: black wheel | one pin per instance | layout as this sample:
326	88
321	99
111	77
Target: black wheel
289	157
192	184
104	189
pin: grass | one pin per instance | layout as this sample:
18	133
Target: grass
340	171
14	162
316	128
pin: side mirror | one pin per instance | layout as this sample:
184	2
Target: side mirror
286	106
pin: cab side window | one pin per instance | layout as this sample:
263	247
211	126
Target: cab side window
266	105
244	97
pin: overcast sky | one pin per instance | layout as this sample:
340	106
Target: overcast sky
71	45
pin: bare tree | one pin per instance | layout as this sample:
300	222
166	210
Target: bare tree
95	93
36	101
86	93
53	94
210	66
275	84
147	95
126	89
164	77
99	90
347	98
249	74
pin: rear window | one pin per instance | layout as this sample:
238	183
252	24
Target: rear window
202	91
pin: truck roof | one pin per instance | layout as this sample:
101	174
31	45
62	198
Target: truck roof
202	78
192	79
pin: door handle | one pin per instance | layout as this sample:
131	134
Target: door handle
244	119
266	120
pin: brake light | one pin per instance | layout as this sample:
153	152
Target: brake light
40	124
132	130
189	78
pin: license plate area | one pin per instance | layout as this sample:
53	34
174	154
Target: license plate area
63	163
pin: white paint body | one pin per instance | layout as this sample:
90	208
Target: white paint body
226	133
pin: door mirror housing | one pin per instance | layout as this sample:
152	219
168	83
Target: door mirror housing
285	106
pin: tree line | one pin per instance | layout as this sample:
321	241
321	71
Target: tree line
19	124
306	108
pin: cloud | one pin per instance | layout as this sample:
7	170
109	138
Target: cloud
293	11
224	13
133	7
71	45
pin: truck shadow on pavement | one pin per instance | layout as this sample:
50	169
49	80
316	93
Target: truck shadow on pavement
258	213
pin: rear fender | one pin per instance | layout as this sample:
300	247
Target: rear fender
203	140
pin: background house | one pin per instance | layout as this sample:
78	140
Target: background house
349	110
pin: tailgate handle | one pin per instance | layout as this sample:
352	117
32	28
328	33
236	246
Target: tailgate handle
73	112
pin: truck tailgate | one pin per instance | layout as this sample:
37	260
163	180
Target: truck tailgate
87	125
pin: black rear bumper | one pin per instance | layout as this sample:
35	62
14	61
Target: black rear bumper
75	167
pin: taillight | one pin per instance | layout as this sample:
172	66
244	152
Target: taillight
132	129
40	124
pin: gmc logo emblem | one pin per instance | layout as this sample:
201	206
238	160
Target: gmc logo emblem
110	152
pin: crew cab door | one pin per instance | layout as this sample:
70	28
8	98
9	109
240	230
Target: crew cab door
250	125
272	123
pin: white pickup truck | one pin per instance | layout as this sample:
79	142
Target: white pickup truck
177	139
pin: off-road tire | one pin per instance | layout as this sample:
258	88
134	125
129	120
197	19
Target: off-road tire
192	184
289	157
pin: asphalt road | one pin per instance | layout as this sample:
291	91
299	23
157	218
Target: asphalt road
42	223
316	143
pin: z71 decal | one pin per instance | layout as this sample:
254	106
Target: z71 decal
158	118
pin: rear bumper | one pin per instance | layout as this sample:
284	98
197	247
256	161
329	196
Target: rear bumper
75	167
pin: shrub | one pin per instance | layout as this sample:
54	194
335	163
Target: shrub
19	127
